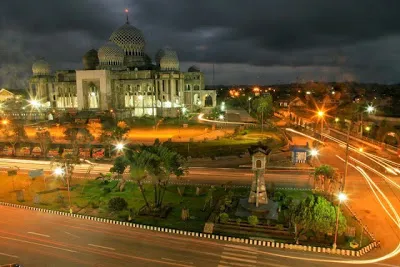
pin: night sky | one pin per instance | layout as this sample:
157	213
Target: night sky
250	42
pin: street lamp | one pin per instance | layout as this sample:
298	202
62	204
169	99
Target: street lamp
61	172
249	104
337	120
370	109
221	117
4	122
119	146
321	115
314	152
341	197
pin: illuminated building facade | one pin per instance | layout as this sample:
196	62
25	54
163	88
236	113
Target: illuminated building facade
120	77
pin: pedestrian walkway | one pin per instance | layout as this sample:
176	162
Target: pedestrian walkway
232	256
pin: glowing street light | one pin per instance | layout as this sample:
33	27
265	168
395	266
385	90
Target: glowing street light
58	171
337	120
4	122
341	197
361	149
221	117
34	103
314	152
367	128
370	109
119	146
61	172
321	114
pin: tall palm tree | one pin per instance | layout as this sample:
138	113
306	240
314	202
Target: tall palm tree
264	107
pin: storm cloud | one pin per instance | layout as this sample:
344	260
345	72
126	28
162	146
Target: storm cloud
249	42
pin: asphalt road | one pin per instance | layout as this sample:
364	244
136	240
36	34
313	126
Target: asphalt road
39	239
280	178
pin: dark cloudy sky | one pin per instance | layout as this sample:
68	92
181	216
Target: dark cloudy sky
250	42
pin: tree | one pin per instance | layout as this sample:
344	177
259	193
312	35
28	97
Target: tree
95	129
317	214
157	162
120	165
264	108
14	133
107	139
44	140
325	175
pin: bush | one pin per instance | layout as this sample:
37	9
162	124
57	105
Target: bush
238	221
252	220
224	217
106	190
117	204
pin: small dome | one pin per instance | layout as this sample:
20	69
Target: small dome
41	67
111	54
90	60
129	38
168	59
193	69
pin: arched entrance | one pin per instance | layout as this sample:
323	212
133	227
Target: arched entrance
208	101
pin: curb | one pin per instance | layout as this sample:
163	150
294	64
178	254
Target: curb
344	252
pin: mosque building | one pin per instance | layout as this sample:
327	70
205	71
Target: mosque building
120	77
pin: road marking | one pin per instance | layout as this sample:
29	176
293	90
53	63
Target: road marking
8	255
272	264
238	259
72	235
34	243
92	245
248	174
235	264
241	250
235	254
188	262
33	233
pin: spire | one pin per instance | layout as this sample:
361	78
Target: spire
127	18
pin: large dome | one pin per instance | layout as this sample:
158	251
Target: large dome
41	67
129	38
168	59
111	54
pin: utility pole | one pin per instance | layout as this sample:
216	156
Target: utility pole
347	156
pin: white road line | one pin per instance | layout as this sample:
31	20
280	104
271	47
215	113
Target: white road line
72	235
236	264
92	245
272	264
238	259
8	255
188	262
34	243
241	250
241	255
33	233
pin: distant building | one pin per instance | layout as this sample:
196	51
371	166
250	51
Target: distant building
120	77
299	153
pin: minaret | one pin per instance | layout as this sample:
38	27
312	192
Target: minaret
127	16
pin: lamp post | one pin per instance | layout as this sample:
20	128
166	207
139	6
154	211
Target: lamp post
342	197
249	104
321	115
369	110
59	171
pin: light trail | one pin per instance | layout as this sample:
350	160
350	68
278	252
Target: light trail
303	134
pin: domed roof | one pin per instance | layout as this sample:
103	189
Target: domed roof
111	53
41	67
128	38
193	69
90	60
168	59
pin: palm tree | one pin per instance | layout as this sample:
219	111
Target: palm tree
324	175
264	107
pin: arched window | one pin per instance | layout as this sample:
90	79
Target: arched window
258	164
